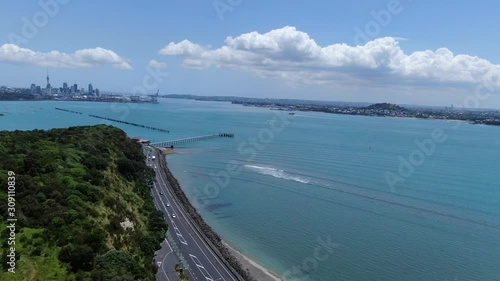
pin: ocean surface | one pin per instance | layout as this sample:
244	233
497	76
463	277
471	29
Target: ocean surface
316	196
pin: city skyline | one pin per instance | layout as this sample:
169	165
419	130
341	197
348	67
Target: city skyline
405	52
64	90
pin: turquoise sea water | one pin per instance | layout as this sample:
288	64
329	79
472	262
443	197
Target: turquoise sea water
322	177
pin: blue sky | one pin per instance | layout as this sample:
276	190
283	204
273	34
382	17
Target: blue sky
425	53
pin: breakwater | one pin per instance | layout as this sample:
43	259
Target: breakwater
116	120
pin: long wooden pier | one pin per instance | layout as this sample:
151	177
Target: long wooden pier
170	143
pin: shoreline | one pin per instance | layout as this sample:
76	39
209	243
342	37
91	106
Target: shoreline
256	270
211	237
238	261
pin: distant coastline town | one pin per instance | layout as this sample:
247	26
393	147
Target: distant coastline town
474	116
72	93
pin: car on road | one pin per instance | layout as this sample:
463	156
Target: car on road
168	204
174	216
161	192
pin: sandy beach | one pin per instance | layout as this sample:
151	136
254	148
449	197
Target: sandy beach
256	270
166	151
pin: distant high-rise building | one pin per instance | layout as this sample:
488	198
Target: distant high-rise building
97	93
75	89
48	89
65	88
38	90
33	89
91	90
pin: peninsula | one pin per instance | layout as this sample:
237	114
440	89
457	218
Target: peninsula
474	116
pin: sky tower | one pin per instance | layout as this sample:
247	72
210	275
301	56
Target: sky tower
49	88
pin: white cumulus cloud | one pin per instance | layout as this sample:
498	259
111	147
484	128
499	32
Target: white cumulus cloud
182	48
156	64
10	53
293	55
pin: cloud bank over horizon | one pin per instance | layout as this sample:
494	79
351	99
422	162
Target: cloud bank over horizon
295	57
85	58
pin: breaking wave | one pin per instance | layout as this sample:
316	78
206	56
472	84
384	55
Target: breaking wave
277	173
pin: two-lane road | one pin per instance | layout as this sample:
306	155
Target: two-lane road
203	263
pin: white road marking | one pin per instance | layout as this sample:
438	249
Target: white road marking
201	268
163	261
160	179
196	233
177	231
171	250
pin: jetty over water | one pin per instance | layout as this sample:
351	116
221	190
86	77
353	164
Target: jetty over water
167	143
170	143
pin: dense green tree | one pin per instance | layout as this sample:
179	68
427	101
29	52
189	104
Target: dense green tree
115	266
149	244
79	257
76	185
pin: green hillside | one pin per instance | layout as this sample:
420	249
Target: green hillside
83	205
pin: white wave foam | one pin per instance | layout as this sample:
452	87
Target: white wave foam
277	173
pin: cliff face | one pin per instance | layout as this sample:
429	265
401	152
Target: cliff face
83	205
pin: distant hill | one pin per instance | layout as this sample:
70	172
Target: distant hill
16	96
83	205
386	106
